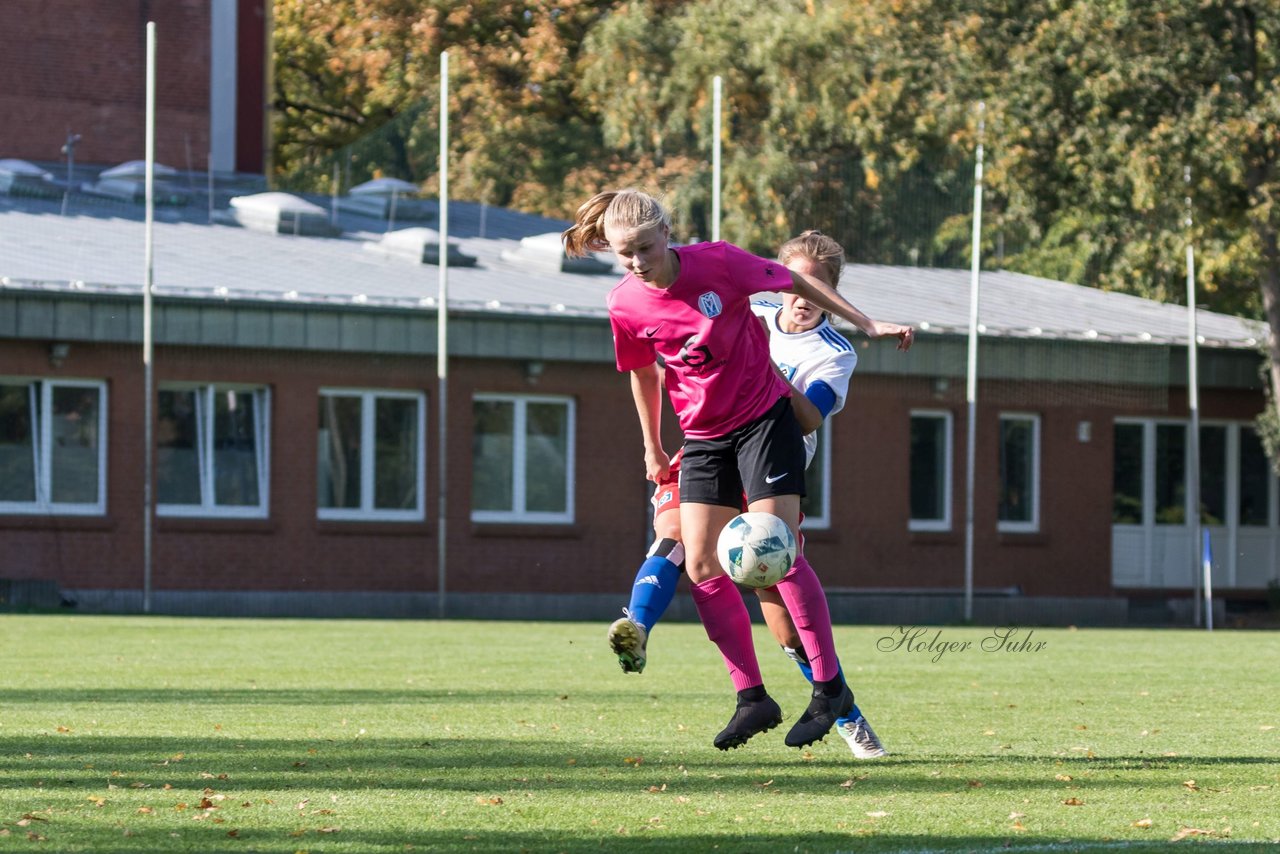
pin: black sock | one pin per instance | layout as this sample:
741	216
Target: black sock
753	694
829	688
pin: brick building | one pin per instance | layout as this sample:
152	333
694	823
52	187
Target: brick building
79	68
298	419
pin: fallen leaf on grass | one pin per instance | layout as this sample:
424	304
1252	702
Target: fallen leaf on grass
1019	826
656	789
98	800
633	760
1191	784
146	810
764	784
1184	832
975	784
1017	815
1073	802
1062	778
877	814
493	801
1142	822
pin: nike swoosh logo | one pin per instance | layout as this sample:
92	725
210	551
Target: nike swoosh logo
649	333
776	478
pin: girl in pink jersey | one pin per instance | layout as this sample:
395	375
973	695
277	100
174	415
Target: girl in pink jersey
691	307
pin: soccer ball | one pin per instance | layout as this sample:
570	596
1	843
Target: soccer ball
756	549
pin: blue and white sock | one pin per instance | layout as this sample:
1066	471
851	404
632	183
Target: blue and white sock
802	661
655	584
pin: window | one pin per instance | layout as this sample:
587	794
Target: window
522	459
1213	474
930	471
817	480
1019	473
370	462
211	451
1255	480
1171	474
53	446
1127	457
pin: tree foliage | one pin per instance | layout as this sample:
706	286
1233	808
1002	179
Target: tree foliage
858	118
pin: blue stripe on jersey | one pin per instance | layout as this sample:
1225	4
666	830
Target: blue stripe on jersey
835	339
822	396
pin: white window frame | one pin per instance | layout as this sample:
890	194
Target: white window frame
1148	471
1190	505
1033	525
948	463
517	514
42	442
208	506
366	512
821	468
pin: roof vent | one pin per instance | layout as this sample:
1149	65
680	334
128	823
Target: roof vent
281	213
546	252
390	199
20	178
420	245
128	181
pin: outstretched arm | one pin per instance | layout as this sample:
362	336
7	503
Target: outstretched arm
828	298
646	390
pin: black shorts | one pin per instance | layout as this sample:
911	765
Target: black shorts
762	458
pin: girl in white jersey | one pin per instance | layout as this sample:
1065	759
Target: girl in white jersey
818	361
691	307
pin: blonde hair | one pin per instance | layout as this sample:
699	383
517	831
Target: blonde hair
627	208
816	246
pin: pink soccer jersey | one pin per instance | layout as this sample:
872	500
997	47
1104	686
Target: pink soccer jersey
718	373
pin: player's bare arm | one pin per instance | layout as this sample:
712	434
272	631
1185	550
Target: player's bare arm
828	298
646	391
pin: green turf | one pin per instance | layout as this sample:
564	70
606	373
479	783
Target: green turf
160	734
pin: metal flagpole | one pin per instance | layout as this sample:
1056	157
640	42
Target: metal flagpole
148	370
442	335
715	158
1199	574
971	385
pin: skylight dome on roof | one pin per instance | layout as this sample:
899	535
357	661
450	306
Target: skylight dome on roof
420	245
18	177
546	252
128	181
281	213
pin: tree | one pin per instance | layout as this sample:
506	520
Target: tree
1103	109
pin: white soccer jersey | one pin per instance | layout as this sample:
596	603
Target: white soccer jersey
820	353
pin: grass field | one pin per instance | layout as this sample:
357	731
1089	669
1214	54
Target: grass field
158	734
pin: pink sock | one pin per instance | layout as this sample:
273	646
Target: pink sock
807	604
728	625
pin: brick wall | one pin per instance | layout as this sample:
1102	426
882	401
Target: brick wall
74	66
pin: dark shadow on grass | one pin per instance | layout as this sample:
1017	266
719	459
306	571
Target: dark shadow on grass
242	696
491	765
214	839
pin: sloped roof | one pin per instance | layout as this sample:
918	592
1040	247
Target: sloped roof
100	248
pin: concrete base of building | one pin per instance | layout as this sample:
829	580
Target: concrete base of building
847	607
